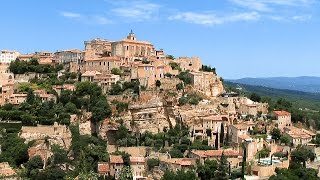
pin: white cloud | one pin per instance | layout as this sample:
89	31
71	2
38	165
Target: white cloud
268	5
213	19
136	10
88	19
302	17
70	14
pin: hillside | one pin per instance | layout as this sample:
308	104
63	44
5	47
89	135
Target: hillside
303	83
298	98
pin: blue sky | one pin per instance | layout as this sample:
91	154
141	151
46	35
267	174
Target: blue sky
241	38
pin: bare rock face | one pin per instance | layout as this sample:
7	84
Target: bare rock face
149	116
84	121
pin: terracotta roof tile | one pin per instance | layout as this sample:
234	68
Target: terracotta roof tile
216	153
116	159
137	159
281	113
103	168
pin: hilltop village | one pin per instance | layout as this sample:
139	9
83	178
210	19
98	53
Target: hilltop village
125	110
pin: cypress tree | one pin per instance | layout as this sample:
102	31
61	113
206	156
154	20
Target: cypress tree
221	134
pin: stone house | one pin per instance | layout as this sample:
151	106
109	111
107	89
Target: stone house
283	119
116	165
103	169
248	109
60	88
67	56
298	135
138	167
176	164
102	64
212	123
192	64
207	82
233	156
240	131
97	48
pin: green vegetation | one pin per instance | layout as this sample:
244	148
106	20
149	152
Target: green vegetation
175	66
179	175
276	134
21	67
303	106
118	88
116	71
297	169
192	98
185	77
13	149
208	69
152	163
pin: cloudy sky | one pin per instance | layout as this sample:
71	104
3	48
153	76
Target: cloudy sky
241	38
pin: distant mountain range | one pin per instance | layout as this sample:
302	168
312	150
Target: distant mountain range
303	83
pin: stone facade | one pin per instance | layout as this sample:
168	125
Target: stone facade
56	134
283	119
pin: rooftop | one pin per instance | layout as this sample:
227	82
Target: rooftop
137	159
281	113
216	153
103	167
116	159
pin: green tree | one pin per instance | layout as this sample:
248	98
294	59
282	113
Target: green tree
116	71
207	171
126	173
185	77
222	134
301	155
116	89
223	169
152	163
179	86
276	134
255	97
285	139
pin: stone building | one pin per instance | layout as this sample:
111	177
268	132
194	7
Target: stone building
116	165
207	83
299	136
138	167
212	123
103	169
56	134
283	119
131	47
241	131
176	164
7	56
102	64
192	64
248	109
67	56
97	48
233	156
